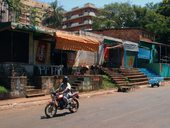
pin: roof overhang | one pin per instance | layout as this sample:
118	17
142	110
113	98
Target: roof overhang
25	27
68	41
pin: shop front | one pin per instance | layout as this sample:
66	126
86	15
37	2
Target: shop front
75	51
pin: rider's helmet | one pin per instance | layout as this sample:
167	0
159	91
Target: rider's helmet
65	79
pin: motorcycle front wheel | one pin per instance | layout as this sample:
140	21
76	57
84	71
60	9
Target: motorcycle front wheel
50	110
74	106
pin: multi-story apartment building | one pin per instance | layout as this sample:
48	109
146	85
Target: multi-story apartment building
31	11
79	18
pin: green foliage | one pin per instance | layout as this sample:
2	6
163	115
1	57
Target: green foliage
33	16
164	8
153	17
114	15
54	19
3	90
107	83
15	6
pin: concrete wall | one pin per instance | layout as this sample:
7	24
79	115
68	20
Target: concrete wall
18	86
89	83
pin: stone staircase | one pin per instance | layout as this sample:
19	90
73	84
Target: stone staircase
31	90
126	78
135	77
77	83
115	76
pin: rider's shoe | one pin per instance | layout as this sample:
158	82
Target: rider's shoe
68	106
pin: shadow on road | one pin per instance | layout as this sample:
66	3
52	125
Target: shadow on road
57	115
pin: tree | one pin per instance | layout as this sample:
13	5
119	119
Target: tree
33	16
164	11
54	19
152	6
139	16
115	15
15	6
164	8
152	17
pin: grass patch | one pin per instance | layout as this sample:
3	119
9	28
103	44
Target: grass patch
107	82
3	90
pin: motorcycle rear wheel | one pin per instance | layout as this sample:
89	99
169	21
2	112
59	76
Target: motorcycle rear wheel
74	106
50	110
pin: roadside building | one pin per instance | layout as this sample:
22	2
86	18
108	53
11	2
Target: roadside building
79	18
33	59
150	54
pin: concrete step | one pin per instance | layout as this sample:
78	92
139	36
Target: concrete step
136	76
35	95
34	92
139	83
123	84
80	78
119	82
138	79
167	78
77	81
132	73
119	79
117	75
29	87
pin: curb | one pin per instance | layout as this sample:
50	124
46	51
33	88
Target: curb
13	104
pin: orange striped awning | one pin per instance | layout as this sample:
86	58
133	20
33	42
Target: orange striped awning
66	41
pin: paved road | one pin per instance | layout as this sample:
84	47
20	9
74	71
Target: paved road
143	108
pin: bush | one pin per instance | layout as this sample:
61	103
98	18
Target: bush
107	82
3	90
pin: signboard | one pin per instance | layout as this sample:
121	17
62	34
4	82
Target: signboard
42	52
144	53
130	46
71	59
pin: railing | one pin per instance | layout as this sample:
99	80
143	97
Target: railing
165	59
20	69
89	14
49	70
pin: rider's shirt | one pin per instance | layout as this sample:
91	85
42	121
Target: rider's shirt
63	86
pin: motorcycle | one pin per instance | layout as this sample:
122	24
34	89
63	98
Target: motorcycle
58	103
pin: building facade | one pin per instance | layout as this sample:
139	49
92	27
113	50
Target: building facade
130	34
80	18
32	12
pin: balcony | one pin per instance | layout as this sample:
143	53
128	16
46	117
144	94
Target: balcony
78	16
74	16
88	22
64	19
89	14
74	24
64	27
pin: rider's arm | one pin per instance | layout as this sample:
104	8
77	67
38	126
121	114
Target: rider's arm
68	88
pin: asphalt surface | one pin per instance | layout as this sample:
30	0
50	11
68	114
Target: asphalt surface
143	108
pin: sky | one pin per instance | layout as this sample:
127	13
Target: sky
69	4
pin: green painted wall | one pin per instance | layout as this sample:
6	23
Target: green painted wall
130	59
160	68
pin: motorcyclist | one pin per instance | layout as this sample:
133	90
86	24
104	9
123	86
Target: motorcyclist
65	88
